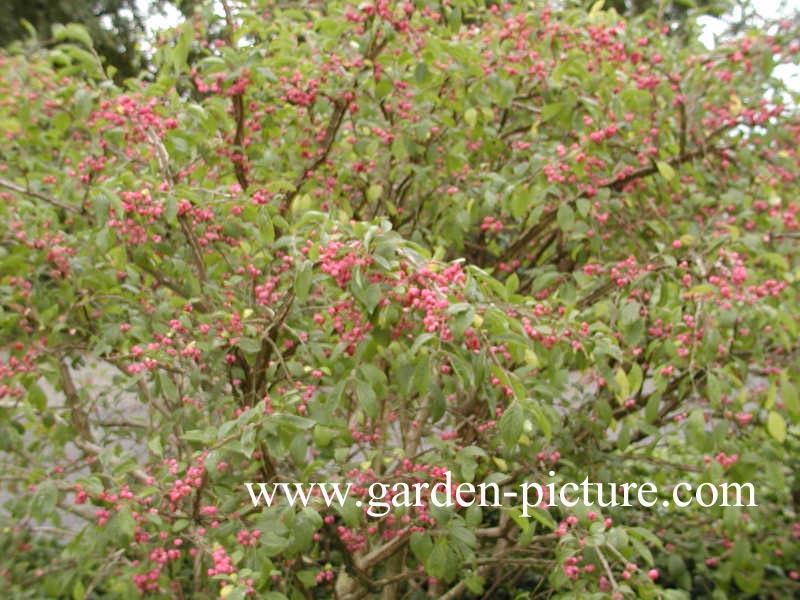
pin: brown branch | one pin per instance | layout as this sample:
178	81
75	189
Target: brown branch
332	129
162	156
79	421
335	122
502	548
675	161
670	393
268	340
527	237
526	286
237	102
383	552
10	185
596	295
616	185
194	246
238	137
168	282
78	417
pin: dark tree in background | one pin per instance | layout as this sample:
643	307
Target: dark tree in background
116	26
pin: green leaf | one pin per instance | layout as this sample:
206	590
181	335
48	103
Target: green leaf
373	375
635	377
543	516
642	550
180	525
78	591
695	430
37	397
565	217
665	170
789	398
248	441
249	345
551	110
776	426
741	553
597	7
124	522
471	116
367	399
421	545
652	407
72	31
154	445
442	562
512	283
302	282
623	385
371	297
474	583
233	592
374	192
630	313
168	387
170	210
44	501
421	73
511	424
290	421
180	54
749	580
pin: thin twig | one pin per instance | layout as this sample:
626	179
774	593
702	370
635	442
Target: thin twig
10	185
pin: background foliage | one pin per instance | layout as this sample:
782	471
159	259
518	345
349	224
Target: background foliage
372	242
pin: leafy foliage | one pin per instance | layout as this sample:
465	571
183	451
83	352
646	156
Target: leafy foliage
372	243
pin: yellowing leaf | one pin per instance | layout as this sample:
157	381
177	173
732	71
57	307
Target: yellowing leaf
471	116
776	426
624	385
665	170
374	192
501	464
736	106
596	7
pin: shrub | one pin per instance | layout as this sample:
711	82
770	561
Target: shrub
378	243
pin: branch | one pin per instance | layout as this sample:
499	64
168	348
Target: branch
526	238
335	122
197	254
501	549
381	553
268	344
168	282
80	421
237	102
607	568
616	185
675	161
78	417
162	156
10	185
